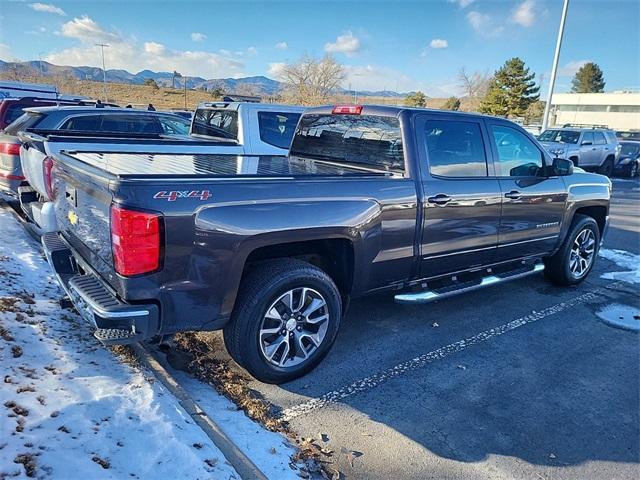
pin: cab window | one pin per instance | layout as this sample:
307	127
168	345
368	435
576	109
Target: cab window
518	156
455	149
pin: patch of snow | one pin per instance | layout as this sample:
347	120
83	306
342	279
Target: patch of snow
621	316
71	409
623	259
269	451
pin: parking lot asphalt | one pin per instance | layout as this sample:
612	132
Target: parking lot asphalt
521	380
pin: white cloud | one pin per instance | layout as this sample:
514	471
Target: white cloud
48	8
131	55
571	68
198	37
5	51
484	24
282	45
226	53
347	44
86	30
438	43
154	48
462	3
525	13
252	51
275	70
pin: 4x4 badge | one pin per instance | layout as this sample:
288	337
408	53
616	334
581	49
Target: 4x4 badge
174	195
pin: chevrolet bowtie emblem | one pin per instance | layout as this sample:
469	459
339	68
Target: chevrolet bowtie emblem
73	218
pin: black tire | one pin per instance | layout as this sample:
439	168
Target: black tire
558	266
606	168
575	161
263	286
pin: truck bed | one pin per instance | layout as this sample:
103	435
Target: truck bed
141	165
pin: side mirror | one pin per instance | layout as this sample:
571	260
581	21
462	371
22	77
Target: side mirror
586	142
561	167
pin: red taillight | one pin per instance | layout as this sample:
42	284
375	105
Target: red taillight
47	174
135	240
10	148
347	110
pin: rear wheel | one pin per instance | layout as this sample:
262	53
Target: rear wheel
607	167
575	259
285	321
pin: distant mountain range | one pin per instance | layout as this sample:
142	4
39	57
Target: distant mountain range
258	85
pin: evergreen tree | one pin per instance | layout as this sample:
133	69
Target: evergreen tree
452	103
416	99
588	79
511	90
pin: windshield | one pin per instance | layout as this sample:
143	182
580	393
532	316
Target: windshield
559	136
24	121
629	149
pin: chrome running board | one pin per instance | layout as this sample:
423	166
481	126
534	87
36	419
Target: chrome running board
427	296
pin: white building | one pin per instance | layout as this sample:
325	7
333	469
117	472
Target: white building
617	110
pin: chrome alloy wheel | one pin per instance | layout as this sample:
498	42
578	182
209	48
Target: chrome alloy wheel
293	327
582	253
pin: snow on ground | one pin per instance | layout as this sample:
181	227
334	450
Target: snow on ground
628	261
70	408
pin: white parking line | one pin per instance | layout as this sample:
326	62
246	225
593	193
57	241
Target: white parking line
379	378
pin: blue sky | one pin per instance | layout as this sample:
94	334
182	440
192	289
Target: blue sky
404	45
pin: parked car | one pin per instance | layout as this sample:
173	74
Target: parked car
629	160
81	119
628	135
11	109
253	128
423	204
593	149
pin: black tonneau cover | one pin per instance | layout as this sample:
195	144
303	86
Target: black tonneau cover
127	165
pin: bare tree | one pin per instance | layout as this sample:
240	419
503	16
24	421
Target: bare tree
473	84
312	81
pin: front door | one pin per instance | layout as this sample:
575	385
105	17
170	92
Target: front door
533	203
461	201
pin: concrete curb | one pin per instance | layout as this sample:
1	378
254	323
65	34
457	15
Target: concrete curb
236	457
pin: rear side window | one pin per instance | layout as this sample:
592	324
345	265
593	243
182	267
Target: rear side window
369	140
14	111
599	138
114	123
455	149
277	128
216	123
84	123
174	126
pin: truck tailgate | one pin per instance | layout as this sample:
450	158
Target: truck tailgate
82	207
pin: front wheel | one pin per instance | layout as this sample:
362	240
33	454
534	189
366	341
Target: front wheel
286	319
575	259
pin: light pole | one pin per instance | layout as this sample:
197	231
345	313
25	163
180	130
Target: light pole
554	68
185	92
104	71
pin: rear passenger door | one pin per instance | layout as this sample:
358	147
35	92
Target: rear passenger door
533	203
461	200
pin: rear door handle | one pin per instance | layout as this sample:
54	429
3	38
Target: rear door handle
440	199
513	194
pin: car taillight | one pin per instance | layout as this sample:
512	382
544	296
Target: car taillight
10	148
47	174
135	241
347	110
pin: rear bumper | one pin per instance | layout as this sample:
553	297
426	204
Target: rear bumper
116	322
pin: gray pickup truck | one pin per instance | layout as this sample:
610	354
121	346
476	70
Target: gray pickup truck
422	204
